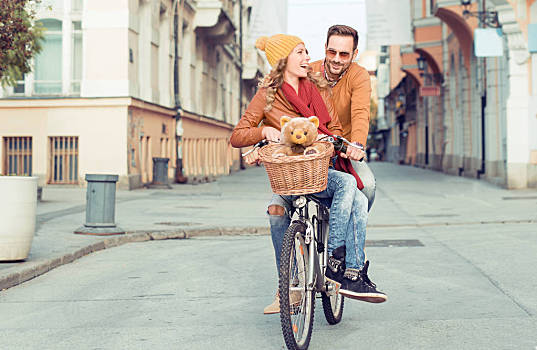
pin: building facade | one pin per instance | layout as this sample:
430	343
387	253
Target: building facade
107	93
450	110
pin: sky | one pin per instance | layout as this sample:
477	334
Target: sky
310	20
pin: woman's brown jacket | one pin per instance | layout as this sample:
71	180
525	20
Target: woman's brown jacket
249	129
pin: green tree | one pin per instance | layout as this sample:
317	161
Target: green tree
20	39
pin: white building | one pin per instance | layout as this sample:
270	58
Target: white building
101	96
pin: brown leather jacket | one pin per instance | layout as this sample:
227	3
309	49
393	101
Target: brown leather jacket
351	97
248	130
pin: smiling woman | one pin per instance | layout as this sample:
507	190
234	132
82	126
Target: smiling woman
289	69
297	64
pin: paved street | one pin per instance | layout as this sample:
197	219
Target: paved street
467	280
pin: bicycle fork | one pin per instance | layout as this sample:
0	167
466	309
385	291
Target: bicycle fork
314	279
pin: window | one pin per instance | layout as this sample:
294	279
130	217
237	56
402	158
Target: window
63	166
18	156
48	63
76	68
19	86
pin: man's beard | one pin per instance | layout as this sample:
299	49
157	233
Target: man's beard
342	68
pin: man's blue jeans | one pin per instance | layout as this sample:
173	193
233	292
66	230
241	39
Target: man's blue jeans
348	218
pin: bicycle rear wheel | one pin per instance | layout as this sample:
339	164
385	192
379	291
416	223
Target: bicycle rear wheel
333	306
296	303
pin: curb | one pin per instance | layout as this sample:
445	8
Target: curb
31	269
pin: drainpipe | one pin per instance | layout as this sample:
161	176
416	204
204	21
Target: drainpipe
483	78
242	166
483	106
179	178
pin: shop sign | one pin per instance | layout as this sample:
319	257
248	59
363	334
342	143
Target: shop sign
429	91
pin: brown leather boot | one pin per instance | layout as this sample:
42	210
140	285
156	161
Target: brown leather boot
274	308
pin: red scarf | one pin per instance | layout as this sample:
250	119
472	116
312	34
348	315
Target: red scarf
309	103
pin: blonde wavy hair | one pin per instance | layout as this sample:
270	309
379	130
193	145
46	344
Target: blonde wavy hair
274	80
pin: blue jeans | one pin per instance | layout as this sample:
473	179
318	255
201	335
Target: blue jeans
347	223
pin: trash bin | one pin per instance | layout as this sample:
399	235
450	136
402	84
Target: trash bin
160	173
100	206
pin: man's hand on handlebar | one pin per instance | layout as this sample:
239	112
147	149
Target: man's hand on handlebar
353	153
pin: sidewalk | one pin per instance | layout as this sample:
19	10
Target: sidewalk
406	197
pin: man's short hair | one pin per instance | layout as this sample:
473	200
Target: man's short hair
343	30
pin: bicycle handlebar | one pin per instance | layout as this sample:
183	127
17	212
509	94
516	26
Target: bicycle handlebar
260	144
340	144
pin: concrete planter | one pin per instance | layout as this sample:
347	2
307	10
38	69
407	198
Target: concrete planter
18	205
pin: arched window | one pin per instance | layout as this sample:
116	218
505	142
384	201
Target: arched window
48	63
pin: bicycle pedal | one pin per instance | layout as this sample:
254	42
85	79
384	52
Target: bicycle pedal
335	287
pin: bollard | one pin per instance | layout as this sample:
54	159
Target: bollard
160	173
100	206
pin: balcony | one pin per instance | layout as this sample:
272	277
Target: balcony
213	20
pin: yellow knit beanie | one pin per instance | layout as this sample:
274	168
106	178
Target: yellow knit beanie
277	46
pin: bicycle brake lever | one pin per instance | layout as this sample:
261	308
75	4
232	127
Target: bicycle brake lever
260	144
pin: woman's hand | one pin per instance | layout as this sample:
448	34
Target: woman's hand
252	158
271	134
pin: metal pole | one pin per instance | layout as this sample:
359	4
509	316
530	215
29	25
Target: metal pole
482	78
177	21
242	166
240	58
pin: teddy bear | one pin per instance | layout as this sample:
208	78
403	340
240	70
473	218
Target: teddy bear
298	136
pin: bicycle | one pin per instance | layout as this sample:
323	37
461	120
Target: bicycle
304	259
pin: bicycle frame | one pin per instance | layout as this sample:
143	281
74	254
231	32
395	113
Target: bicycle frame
316	239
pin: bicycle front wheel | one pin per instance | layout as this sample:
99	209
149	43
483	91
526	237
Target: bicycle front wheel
332	306
296	302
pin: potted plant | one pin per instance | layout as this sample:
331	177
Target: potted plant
18	206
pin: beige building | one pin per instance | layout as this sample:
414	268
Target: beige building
453	110
101	97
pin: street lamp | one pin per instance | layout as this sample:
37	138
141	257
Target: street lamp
422	64
487	18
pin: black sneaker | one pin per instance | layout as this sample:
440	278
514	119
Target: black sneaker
336	266
357	285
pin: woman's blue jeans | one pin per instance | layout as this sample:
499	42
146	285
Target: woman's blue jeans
348	218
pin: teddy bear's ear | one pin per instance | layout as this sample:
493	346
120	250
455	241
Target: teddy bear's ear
283	120
314	120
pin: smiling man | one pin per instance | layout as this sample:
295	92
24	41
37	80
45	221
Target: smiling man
351	94
351	86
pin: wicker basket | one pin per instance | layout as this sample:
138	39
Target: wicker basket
296	175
